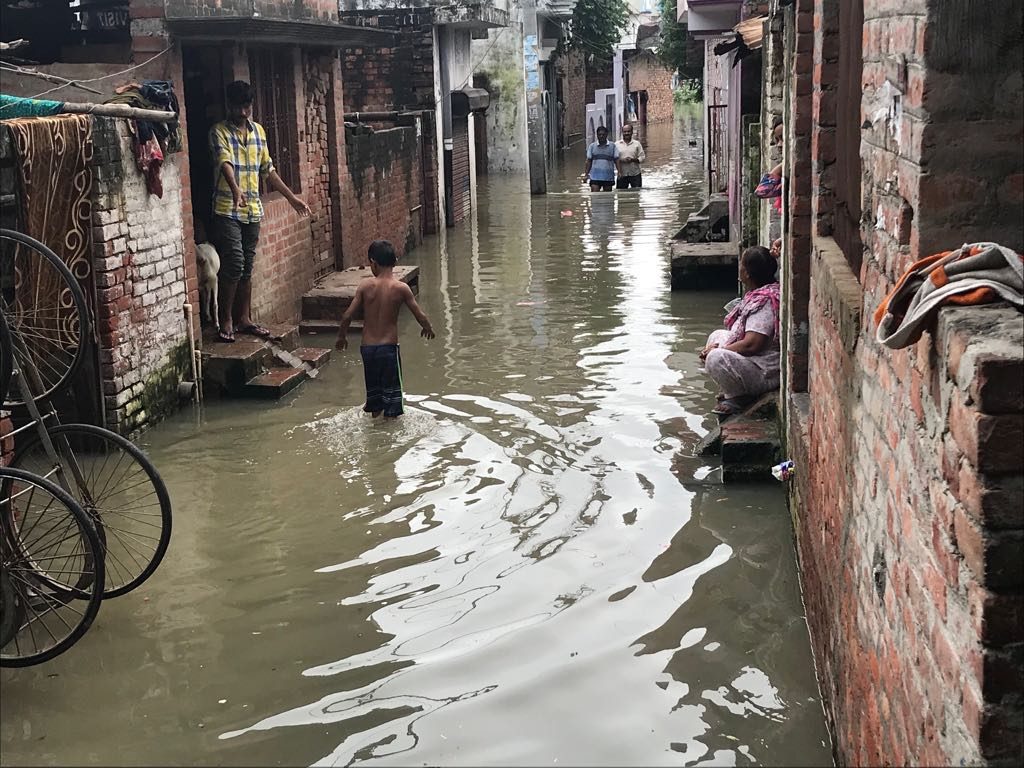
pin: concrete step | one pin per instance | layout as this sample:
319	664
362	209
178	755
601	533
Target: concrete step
230	369
327	327
273	384
332	294
750	448
317	357
284	334
227	367
698	266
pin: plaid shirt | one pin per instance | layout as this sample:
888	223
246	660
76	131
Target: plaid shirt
251	159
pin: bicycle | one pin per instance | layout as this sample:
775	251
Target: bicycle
51	570
114	481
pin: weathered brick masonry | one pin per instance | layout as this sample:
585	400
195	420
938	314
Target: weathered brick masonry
385	197
648	74
572	68
140	278
396	79
908	498
294	250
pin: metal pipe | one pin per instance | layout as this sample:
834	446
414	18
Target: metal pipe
380	117
197	393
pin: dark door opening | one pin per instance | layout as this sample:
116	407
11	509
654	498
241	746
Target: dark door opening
203	68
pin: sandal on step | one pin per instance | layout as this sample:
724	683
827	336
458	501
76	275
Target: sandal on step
728	406
225	338
254	329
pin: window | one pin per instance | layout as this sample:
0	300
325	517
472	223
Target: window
273	80
848	96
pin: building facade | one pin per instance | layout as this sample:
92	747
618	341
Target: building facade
902	134
144	246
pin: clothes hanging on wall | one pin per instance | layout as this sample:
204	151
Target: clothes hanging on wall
975	273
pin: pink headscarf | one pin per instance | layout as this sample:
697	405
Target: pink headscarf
736	321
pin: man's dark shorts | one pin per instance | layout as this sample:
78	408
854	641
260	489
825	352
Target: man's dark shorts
625	182
382	369
603	186
236	245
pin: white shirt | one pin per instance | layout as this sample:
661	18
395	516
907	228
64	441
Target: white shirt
631	154
763	321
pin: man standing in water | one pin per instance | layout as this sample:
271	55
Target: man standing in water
239	150
380	298
631	154
602	163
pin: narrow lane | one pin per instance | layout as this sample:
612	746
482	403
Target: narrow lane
525	569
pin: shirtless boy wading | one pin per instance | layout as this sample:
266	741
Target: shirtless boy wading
380	299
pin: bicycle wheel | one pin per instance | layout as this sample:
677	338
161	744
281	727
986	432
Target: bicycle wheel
51	570
118	487
46	313
6	358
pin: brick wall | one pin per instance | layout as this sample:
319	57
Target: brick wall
384	79
140	280
6	442
599	77
798	116
909	509
383	196
646	73
397	79
573	69
293	250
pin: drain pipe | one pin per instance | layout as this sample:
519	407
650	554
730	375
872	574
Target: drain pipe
196	389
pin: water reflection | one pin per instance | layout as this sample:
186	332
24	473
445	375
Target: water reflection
528	568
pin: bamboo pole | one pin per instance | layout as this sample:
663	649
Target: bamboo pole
119	110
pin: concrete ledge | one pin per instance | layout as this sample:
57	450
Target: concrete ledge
701	265
837	290
983	349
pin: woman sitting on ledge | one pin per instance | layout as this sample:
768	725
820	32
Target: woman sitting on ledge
743	357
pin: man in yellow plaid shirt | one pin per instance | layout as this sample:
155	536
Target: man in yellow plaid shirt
238	146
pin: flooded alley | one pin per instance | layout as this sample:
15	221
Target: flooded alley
528	568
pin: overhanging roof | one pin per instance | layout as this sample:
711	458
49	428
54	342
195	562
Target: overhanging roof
471	16
262	30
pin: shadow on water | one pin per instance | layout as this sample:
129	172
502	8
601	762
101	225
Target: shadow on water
525	569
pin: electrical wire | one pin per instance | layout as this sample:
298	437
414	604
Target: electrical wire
94	79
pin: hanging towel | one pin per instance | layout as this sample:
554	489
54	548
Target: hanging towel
976	273
12	107
54	156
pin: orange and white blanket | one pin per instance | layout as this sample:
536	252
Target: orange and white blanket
975	273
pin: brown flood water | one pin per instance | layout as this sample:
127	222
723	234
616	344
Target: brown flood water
526	569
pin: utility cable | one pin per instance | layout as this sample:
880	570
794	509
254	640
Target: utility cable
94	79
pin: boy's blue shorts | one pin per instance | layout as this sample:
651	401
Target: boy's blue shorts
382	368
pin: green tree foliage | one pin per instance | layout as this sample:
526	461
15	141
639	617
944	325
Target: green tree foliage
675	48
596	28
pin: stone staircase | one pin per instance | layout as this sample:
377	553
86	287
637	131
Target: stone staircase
258	369
702	256
323	306
748	442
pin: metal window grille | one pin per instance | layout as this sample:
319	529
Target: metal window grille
273	78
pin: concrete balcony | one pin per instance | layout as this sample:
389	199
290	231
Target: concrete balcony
709	18
556	10
480	15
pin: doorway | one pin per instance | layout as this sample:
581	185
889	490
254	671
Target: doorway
204	81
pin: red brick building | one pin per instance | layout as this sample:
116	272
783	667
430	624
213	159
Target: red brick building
429	69
649	84
903	125
144	256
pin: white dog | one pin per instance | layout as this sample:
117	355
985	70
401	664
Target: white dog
209	265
